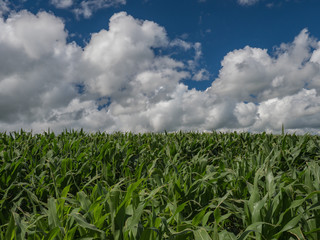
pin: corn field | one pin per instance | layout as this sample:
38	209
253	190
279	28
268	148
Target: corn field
127	186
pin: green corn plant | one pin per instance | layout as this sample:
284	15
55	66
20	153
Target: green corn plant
183	185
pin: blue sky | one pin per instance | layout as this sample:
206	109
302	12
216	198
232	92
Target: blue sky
220	25
154	65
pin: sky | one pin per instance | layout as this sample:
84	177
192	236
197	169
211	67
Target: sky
160	65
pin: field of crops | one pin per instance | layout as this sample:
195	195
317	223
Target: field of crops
159	186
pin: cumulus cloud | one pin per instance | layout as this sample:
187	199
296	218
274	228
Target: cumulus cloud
296	111
118	64
271	90
36	64
120	81
295	66
124	54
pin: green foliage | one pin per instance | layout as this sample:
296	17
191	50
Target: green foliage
159	186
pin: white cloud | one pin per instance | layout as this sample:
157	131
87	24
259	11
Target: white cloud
62	3
124	56
247	2
275	86
87	7
4	7
269	4
197	74
296	111
251	74
201	75
127	86
31	35
118	63
181	43
246	113
36	64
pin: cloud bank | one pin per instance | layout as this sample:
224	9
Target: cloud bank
120	81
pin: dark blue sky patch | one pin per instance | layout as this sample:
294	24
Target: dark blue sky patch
103	103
